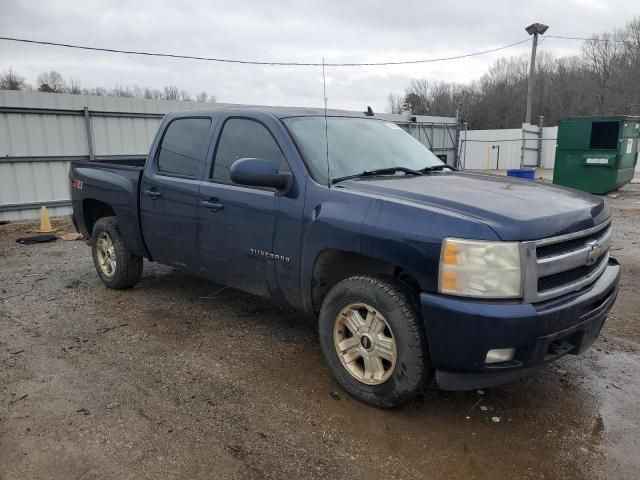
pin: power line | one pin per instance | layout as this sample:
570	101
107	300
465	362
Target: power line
253	62
586	39
407	62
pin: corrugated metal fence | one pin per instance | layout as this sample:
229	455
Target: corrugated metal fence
40	133
502	149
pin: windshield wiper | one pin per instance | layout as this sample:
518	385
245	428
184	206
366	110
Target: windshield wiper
379	171
437	168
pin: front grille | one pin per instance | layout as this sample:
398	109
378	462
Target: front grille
559	265
560	248
557	280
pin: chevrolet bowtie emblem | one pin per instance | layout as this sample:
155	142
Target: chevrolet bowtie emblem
595	250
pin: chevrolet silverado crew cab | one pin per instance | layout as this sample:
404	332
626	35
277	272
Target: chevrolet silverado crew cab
418	274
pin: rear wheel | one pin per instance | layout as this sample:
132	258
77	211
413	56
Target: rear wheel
117	267
373	341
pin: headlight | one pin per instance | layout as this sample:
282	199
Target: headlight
475	268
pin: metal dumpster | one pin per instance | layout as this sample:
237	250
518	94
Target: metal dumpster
596	154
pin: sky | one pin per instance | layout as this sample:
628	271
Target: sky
298	30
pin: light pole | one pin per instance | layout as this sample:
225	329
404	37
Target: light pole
534	29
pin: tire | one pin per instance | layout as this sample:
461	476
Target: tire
126	268
402	376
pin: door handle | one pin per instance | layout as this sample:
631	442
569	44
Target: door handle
153	193
212	204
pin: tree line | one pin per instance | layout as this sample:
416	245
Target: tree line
54	82
604	79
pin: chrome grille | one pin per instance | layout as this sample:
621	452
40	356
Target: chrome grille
558	265
553	249
556	280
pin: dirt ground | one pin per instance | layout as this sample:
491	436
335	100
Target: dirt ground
177	378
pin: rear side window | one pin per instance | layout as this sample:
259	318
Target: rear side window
244	138
183	147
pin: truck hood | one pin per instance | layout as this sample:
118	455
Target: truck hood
514	209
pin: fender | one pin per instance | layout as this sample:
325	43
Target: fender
393	233
116	186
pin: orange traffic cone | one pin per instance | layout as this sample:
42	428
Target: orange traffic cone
45	223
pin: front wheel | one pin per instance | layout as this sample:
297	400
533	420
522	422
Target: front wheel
373	341
117	267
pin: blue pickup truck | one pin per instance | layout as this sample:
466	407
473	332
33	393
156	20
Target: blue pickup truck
419	275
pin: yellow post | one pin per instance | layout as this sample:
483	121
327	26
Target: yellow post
45	223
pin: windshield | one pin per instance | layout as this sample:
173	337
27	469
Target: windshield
356	145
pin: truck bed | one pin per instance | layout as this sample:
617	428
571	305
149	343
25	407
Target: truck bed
116	184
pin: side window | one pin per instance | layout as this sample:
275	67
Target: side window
244	138
183	147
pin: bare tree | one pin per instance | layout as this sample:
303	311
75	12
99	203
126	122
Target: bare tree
119	91
395	103
74	87
600	56
171	92
137	91
629	85
156	94
417	97
10	80
51	82
97	91
152	93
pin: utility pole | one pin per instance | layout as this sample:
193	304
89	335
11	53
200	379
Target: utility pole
534	29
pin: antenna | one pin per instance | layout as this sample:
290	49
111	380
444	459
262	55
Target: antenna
326	125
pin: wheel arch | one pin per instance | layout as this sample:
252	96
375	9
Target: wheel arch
333	265
93	210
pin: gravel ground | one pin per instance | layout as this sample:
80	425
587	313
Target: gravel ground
177	378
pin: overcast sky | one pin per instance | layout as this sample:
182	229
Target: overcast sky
298	30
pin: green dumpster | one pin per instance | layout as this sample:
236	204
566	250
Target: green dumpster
596	154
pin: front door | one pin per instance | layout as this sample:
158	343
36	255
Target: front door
237	223
169	193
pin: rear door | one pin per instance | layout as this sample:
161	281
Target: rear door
169	192
237	223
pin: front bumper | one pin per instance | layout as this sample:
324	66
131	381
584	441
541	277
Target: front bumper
461	331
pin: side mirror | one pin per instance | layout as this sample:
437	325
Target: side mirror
258	172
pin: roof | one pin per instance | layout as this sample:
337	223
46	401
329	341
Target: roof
287	112
280	112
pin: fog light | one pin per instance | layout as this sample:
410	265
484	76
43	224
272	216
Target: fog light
500	355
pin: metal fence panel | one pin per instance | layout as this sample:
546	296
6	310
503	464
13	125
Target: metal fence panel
477	150
123	136
549	146
23	135
32	184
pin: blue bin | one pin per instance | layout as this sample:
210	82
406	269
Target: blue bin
526	173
